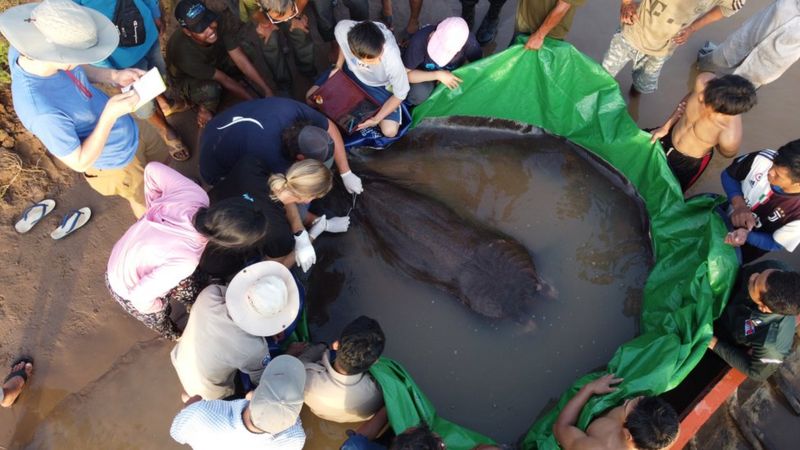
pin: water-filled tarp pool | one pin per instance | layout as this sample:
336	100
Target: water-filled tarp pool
564	92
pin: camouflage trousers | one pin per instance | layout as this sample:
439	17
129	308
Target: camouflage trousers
646	68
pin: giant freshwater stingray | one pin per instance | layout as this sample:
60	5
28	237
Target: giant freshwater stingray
488	271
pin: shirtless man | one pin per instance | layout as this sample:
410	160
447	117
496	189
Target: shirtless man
639	423
707	117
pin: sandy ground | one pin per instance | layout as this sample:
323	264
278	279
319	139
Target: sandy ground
101	379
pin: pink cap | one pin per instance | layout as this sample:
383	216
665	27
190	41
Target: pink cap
447	40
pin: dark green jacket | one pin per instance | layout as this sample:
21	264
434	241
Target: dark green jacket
742	326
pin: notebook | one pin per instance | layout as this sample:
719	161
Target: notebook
344	102
148	87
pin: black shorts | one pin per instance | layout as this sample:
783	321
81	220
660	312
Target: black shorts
687	169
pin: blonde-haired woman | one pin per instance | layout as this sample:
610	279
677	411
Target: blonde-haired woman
277	196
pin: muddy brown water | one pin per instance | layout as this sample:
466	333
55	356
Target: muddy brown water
583	230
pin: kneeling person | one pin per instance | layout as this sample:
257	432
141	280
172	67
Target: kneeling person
436	50
202	55
342	390
756	329
639	423
706	118
268	418
369	55
227	329
764	191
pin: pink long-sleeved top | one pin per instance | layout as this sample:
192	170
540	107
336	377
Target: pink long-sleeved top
163	247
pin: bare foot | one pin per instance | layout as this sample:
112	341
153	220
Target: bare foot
14	385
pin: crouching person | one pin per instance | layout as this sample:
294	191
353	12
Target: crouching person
228	329
756	329
339	387
436	50
369	55
268	418
155	261
202	59
639	423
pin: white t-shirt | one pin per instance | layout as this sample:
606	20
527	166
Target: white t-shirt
389	73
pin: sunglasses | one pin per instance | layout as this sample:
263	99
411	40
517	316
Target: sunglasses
294	14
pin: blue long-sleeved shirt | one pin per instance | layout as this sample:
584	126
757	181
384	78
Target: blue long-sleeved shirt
764	241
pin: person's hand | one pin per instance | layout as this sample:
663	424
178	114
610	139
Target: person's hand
534	42
203	116
332	225
742	217
304	252
299	23
628	12
369	123
737	237
352	182
712	343
448	79
121	104
265	30
126	77
160	26
296	348
603	385
682	36
658	133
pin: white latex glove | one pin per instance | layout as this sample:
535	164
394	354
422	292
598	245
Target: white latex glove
352	183
304	252
332	225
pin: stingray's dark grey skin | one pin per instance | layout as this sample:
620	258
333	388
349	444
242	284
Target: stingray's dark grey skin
489	272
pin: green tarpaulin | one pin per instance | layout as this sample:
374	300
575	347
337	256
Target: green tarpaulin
562	91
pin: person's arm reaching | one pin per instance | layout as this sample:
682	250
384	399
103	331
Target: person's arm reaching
243	63
231	85
553	18
351	181
764	241
566	432
662	131
443	76
758	366
387	108
706	19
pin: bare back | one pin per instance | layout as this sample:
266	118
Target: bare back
604	433
700	129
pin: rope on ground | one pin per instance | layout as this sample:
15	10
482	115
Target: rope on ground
12	162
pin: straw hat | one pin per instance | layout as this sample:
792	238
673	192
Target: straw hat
263	299
59	31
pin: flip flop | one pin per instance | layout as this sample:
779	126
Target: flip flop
177	149
71	222
19	373
33	214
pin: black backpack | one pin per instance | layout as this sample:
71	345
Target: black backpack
130	23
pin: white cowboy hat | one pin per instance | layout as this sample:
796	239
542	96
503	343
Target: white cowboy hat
263	299
59	31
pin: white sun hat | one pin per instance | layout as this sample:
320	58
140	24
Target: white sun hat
263	299
59	31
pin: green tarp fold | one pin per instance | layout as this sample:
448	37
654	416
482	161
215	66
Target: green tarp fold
564	92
